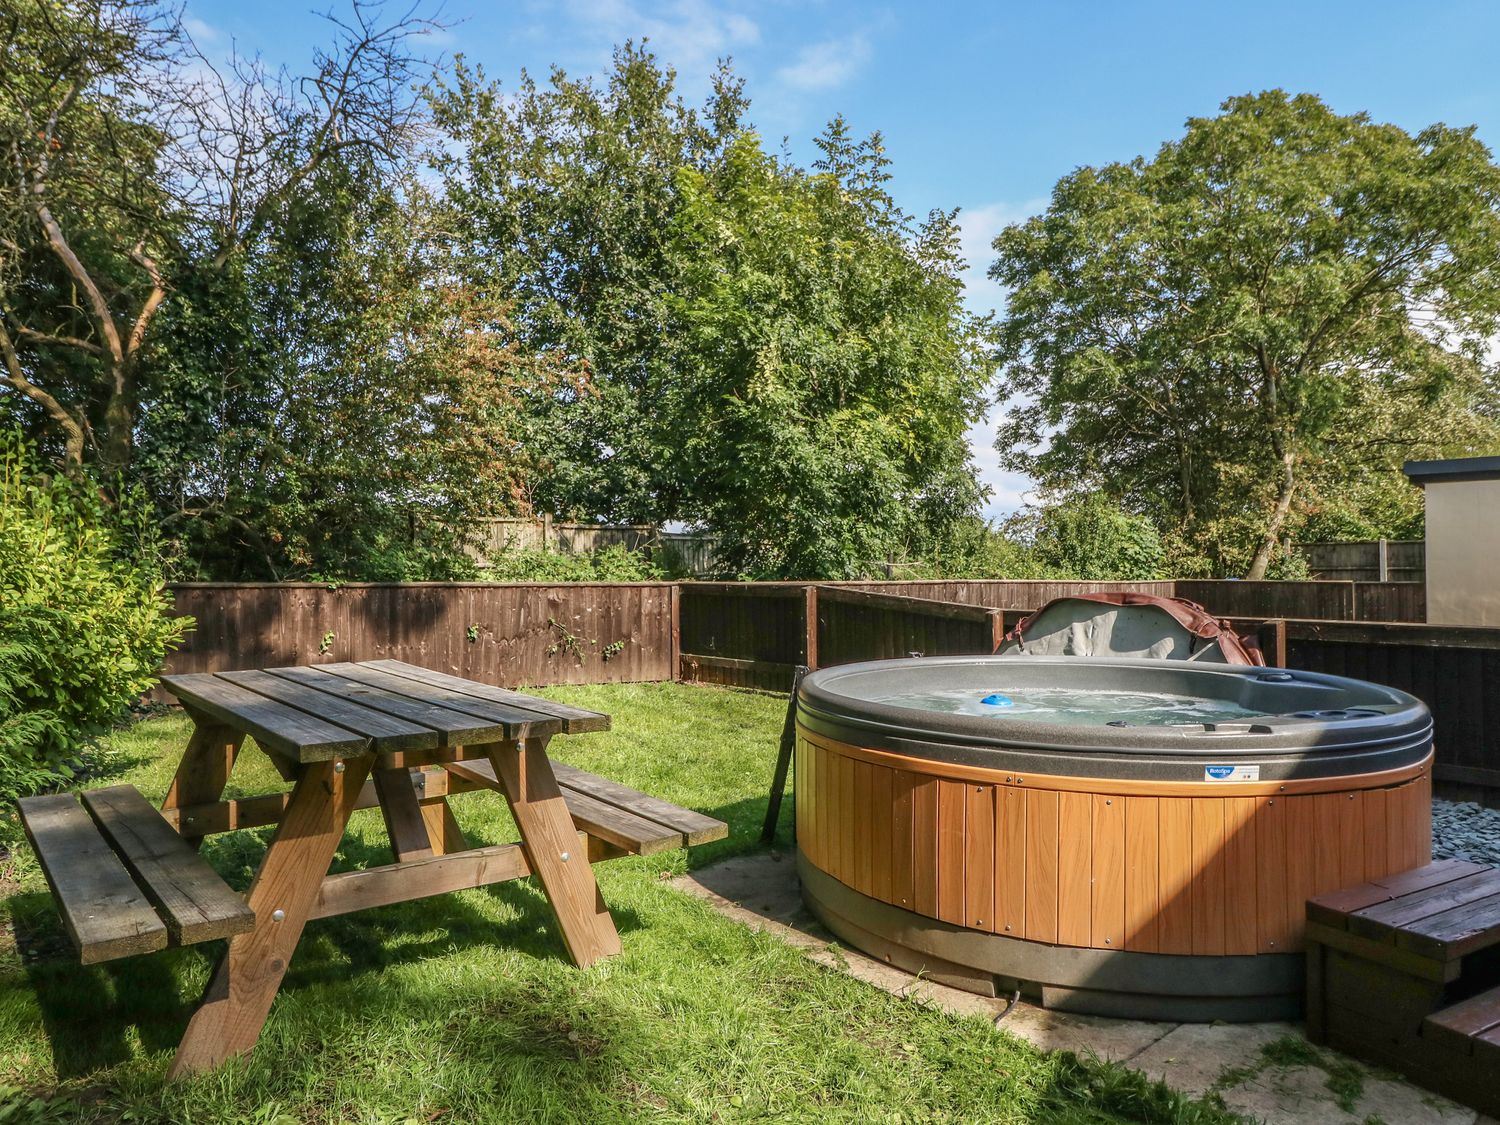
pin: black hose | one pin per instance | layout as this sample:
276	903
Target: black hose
1009	1004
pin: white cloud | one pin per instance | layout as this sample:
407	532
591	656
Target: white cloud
823	66
690	35
979	226
202	32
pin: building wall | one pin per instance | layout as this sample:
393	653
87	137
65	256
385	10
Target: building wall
1463	552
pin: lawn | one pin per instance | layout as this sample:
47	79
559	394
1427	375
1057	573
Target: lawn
463	1008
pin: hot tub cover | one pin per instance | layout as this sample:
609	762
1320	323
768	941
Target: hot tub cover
1129	625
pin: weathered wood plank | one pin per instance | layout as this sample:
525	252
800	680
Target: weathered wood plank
105	913
275	726
196	904
517	722
238	998
575	720
541	816
405	825
386	732
695	826
610	822
452	727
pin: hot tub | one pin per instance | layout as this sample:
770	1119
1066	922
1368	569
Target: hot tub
1123	837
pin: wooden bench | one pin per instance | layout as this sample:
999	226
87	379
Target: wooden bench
128	879
124	880
1405	972
126	883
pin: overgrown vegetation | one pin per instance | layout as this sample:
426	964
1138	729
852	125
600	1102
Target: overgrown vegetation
608	564
83	621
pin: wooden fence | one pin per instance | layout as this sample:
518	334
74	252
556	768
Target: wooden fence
1454	669
522	633
696	552
1374	560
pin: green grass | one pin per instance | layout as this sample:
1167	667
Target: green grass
463	1008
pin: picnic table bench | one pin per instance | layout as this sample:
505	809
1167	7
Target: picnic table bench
1405	971
128	877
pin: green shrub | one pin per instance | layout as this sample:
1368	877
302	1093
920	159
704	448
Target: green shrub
83	620
1090	537
611	564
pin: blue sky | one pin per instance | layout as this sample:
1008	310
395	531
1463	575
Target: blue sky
983	106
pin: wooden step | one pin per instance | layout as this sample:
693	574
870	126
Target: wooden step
103	910
1460	1025
194	901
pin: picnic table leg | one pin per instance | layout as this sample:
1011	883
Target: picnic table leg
404	822
551	843
204	770
238	998
443	832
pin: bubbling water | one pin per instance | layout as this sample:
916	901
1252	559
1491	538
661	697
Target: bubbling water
1094	707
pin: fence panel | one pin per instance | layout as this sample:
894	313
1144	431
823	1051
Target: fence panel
1454	669
863	625
507	634
1405	560
744	634
1323	601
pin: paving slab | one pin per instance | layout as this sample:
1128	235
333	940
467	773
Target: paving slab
762	891
1228	1059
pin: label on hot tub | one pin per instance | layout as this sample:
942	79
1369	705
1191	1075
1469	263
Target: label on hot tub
1231	773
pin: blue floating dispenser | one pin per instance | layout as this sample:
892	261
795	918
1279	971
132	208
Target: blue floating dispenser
998	700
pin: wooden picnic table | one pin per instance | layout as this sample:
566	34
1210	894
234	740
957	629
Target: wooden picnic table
351	735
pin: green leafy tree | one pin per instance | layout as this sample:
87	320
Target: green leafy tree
826	369
1089	537
1210	333
132	162
343	406
568	191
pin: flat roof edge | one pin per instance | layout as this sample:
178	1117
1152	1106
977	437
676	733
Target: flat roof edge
1457	468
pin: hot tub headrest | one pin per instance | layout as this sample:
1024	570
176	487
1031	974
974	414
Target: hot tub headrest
1129	624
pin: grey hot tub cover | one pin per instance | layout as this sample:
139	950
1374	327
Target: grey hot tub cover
1129	624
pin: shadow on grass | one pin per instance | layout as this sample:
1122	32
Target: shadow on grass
88	1012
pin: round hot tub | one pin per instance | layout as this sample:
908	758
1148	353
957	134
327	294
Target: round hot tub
1124	837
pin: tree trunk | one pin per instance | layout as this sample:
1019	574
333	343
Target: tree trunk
117	429
1272	533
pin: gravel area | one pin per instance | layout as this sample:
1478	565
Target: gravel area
1463	830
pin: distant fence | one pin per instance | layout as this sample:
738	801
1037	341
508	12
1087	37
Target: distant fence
521	633
1322	601
697	552
1374	560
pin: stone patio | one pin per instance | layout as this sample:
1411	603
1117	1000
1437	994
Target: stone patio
1291	1084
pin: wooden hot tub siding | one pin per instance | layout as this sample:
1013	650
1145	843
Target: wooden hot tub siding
1152	867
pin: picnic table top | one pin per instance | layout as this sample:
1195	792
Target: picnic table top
318	712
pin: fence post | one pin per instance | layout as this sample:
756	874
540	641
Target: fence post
997	629
1382	561
810	627
1272	637
674	607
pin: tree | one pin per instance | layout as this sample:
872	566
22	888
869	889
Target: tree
1205	333
568	191
130	160
341	404
825	369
